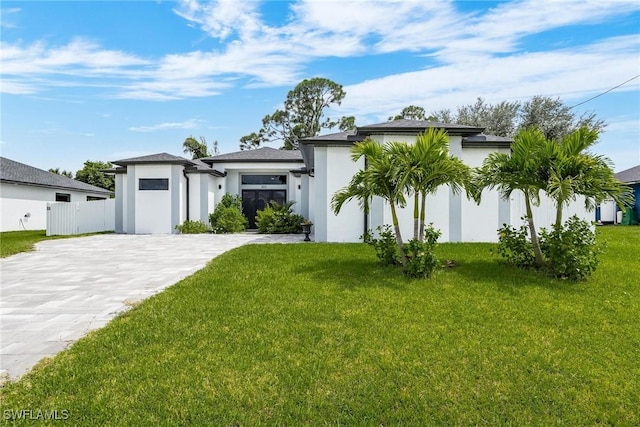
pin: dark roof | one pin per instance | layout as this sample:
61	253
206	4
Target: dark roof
19	173
630	176
155	158
346	137
264	154
415	126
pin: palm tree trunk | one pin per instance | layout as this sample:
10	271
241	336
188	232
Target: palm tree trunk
532	230
423	210
416	222
396	228
559	215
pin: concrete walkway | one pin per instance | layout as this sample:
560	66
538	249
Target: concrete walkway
53	296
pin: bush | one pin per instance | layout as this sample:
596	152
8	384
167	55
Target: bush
386	247
279	219
514	246
227	216
421	261
192	227
570	250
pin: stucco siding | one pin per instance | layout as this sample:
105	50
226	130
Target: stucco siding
25	206
153	213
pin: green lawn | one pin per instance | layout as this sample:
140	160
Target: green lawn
13	242
320	334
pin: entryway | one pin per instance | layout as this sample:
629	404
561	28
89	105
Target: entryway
255	200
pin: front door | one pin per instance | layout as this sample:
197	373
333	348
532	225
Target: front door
255	200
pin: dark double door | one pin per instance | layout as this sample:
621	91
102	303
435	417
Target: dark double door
255	200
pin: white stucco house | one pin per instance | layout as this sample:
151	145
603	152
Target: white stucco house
26	190
157	192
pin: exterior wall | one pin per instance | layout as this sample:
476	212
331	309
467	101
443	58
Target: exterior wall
334	170
152	208
16	201
481	222
544	215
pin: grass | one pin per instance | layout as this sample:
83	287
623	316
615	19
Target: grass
14	242
320	334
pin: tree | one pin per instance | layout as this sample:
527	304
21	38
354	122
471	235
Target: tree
427	165
508	118
91	174
411	112
380	178
523	170
555	119
302	116
347	123
57	171
574	171
197	149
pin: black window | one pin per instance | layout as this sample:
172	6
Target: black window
93	198
63	197
264	179
153	184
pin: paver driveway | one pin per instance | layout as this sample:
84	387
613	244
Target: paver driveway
53	296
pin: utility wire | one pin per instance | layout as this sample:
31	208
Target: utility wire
615	87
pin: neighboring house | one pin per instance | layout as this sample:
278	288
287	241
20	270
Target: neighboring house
631	177
155	193
25	192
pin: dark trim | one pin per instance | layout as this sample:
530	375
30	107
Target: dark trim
184	173
454	131
212	162
487	144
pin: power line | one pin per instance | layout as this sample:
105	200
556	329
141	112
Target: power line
615	87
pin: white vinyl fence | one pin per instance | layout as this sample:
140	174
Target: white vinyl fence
81	217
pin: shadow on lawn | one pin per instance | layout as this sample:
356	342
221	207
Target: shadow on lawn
508	278
353	273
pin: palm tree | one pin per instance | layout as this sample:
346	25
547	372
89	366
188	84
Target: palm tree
378	178
574	171
429	166
525	170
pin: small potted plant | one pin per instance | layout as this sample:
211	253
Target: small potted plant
306	229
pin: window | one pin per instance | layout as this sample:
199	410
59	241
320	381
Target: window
93	198
153	184
63	197
264	179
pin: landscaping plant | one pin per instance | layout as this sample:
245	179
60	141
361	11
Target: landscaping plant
192	227
227	217
279	219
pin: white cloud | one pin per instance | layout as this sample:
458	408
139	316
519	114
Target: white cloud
187	124
569	74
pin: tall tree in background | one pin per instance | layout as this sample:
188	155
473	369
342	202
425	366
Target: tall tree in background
550	115
411	112
302	116
57	171
347	123
555	119
91	174
197	149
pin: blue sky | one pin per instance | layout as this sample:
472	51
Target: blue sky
107	80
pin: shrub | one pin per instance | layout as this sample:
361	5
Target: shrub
192	227
514	246
279	219
386	247
421	261
570	250
227	216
